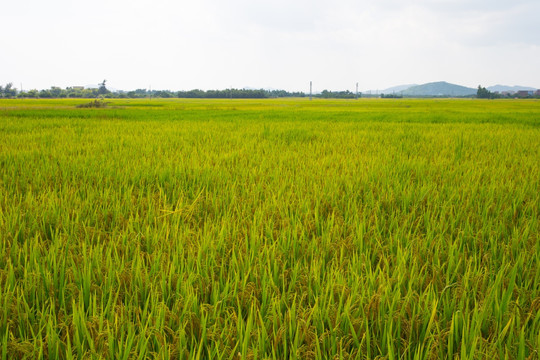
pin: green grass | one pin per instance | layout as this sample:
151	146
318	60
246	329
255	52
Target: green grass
270	229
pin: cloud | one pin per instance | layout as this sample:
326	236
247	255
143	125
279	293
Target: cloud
474	23
281	44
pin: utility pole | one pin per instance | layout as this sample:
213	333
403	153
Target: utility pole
356	91
310	90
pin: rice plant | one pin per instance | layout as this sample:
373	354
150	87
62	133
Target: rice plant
270	229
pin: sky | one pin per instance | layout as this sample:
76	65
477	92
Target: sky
281	44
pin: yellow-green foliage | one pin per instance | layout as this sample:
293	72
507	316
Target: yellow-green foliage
253	229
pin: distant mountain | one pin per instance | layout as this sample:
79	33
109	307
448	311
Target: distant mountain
440	88
515	88
390	90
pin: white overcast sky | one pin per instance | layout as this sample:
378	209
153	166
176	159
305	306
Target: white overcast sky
212	44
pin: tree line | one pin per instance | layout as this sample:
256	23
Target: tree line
9	91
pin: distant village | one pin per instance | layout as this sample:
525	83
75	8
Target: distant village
519	93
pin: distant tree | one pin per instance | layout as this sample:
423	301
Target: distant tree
483	93
8	91
88	93
139	93
325	94
74	93
391	96
162	94
57	92
102	90
45	94
33	93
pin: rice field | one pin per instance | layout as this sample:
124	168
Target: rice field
270	229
